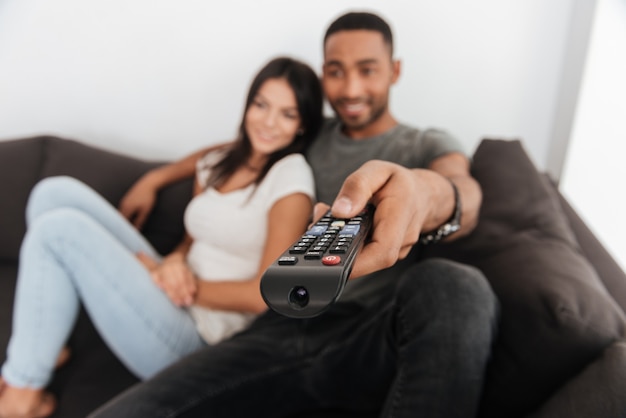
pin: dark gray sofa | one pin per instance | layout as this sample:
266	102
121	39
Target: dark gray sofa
561	346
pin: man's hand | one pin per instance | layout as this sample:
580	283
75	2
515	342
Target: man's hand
174	277
402	199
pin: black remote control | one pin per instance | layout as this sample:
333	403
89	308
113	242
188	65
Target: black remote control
309	276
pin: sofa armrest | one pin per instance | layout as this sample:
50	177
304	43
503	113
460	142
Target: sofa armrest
598	391
613	277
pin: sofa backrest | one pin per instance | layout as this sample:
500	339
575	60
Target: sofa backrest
20	166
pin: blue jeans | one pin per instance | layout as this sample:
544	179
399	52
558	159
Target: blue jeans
79	249
421	351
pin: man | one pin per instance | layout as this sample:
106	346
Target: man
405	338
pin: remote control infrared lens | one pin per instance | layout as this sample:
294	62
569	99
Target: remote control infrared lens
299	297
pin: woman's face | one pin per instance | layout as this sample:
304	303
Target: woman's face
272	119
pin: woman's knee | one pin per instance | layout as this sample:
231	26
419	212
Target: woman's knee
61	222
52	193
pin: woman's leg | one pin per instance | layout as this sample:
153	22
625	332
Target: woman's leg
67	192
66	258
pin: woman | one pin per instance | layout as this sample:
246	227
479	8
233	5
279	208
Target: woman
253	197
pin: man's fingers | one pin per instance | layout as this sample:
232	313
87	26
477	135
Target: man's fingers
395	231
386	242
375	256
319	210
359	187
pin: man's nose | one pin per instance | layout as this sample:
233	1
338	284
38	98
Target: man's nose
353	87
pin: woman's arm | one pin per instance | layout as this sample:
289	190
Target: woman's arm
139	200
288	219
173	275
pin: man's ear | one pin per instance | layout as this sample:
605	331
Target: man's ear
395	68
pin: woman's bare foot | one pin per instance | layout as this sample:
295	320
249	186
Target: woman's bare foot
25	403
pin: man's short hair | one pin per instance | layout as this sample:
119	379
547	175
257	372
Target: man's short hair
361	21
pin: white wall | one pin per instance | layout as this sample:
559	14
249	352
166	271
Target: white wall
160	78
594	174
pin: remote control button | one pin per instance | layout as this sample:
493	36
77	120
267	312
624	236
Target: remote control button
317	230
350	230
313	255
338	224
287	261
298	250
331	260
338	250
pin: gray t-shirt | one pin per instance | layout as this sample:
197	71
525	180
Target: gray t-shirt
333	156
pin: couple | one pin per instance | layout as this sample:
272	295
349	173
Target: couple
405	337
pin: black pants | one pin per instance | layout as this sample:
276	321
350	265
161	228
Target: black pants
421	351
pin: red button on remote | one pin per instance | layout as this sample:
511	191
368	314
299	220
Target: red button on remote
331	260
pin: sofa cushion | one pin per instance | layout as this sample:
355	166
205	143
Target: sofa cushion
20	162
556	315
111	174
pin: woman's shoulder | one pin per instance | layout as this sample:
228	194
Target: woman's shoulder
290	163
214	153
290	171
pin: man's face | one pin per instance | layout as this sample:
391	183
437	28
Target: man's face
357	74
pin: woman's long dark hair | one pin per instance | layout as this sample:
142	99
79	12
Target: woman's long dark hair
309	99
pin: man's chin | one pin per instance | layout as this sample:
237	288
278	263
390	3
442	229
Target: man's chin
355	124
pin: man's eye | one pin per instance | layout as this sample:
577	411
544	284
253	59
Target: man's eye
334	73
368	71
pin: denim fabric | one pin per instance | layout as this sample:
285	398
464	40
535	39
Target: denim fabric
421	351
79	249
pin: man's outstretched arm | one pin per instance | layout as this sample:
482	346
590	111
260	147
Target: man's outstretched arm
408	202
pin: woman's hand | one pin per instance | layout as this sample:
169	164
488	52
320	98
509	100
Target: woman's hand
138	201
174	277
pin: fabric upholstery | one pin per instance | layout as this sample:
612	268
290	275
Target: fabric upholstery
20	162
578	397
556	314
